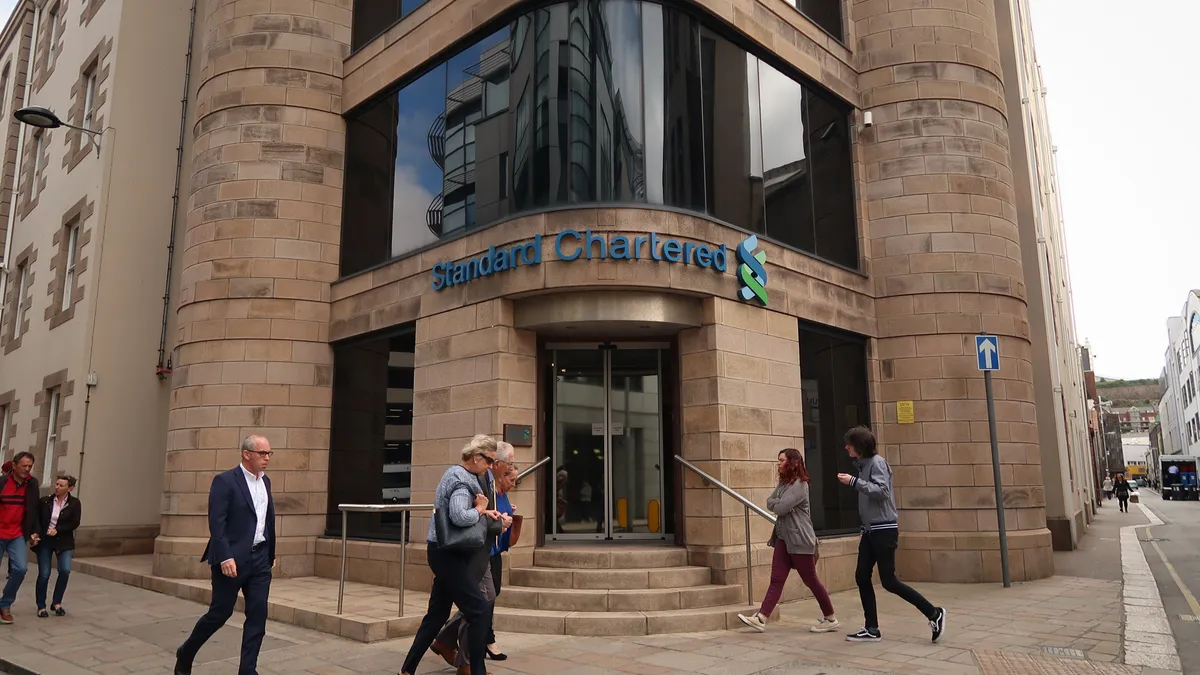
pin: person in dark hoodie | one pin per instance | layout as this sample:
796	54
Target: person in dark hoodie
880	537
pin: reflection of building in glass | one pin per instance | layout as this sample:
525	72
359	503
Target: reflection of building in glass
476	107
397	435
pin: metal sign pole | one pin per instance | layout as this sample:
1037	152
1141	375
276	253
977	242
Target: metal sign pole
991	410
987	355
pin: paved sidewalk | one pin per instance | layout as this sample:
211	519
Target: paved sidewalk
1066	625
115	629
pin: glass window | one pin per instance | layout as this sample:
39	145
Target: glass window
5	423
825	13
833	372
89	100
599	101
372	18
69	276
22	284
48	458
371	431
732	132
786	165
423	140
367	191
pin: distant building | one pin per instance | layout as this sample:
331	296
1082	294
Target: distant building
1182	375
1156	451
1134	450
1136	418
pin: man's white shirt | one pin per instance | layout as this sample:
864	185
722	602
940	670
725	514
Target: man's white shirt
258	491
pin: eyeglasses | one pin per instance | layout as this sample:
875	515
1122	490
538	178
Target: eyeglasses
264	453
489	460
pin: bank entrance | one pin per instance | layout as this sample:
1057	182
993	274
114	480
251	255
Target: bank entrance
609	430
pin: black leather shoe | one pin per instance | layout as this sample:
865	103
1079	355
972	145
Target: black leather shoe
182	667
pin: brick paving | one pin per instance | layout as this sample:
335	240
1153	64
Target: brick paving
115	629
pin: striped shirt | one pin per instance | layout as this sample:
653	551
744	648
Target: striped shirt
460	503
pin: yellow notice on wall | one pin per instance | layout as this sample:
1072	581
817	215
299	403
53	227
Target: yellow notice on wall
905	414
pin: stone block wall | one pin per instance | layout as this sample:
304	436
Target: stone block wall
260	248
741	401
945	258
474	373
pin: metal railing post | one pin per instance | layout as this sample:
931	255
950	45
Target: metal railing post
749	506
342	574
749	563
403	548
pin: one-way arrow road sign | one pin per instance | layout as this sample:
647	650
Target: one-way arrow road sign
987	352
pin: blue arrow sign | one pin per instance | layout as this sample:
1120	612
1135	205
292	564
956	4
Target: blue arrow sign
987	352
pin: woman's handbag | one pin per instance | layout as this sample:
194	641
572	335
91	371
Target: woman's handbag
495	528
451	537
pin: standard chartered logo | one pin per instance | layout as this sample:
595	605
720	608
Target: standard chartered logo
752	271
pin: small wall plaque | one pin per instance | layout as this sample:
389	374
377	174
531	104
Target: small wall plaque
520	435
905	414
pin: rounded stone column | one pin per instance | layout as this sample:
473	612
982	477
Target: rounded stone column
260	248
946	259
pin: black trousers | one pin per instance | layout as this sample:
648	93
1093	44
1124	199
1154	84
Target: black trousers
878	548
497	566
453	584
254	582
1123	502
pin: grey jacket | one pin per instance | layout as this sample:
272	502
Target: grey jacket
794	526
876	504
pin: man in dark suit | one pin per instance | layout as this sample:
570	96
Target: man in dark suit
241	551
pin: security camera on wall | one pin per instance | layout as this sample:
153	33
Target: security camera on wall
867	120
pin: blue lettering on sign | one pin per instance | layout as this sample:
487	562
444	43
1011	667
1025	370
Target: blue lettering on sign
447	274
572	245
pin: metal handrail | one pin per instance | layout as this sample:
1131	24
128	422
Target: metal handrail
540	463
750	506
404	509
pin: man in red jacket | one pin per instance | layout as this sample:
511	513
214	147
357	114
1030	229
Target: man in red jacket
18	526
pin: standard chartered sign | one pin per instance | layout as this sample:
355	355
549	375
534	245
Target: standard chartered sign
570	245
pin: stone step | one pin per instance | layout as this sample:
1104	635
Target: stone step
605	579
612	557
545	622
619	600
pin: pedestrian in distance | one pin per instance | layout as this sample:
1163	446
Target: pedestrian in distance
1107	487
1122	489
59	515
241	553
795	544
880	537
19	525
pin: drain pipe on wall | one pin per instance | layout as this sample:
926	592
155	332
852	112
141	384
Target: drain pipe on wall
5	272
163	369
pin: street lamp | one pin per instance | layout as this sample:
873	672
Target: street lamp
44	118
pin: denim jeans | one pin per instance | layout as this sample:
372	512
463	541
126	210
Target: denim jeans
44	552
18	564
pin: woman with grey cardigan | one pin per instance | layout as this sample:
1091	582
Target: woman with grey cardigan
795	544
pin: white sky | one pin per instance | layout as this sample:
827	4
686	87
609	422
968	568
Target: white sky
1121	99
1120	103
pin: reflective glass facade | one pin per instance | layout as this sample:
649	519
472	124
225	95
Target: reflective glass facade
833	378
599	101
370	449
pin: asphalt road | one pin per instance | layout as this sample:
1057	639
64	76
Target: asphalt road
1180	544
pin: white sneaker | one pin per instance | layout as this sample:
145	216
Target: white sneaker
756	621
825	626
